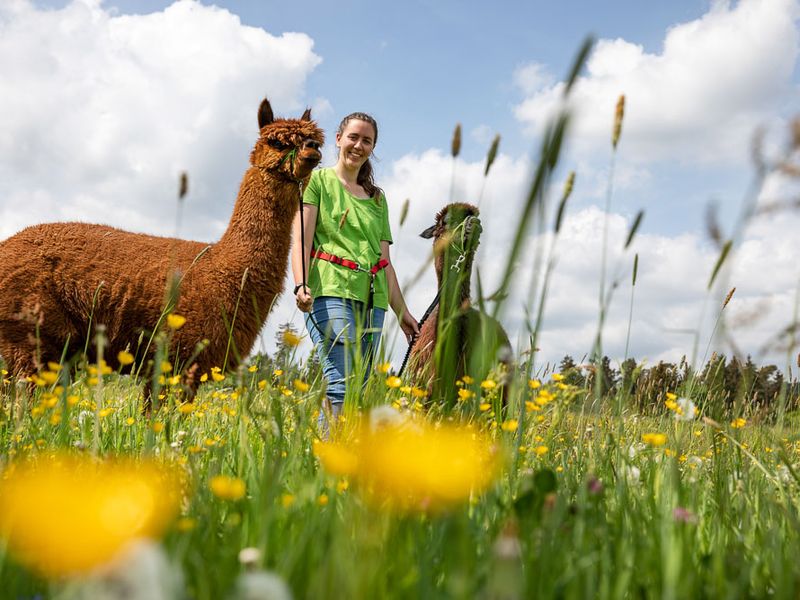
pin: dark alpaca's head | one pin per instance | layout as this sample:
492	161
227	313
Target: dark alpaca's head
456	234
288	146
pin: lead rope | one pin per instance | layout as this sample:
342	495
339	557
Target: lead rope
419	328
303	258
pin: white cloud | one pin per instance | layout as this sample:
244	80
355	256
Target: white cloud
532	77
102	112
715	80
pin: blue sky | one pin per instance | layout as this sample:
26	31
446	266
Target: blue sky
699	78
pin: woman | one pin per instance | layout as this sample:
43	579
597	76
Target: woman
350	278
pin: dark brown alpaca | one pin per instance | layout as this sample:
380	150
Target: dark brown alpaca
481	340
54	276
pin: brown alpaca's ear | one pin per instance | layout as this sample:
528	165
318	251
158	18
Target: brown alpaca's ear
428	233
265	116
306	115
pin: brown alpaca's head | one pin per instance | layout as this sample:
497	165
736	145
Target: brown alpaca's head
457	228
287	147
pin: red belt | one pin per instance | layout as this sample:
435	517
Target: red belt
337	260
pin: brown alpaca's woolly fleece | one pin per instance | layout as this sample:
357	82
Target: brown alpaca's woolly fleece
54	276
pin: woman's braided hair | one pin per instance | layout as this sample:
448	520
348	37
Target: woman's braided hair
365	177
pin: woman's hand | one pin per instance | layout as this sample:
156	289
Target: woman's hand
304	299
409	326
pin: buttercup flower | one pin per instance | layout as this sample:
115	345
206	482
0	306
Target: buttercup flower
654	439
175	321
227	488
68	514
414	466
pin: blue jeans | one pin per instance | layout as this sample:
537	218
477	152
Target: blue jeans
337	322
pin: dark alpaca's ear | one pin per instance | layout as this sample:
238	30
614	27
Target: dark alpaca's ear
265	116
306	115
428	233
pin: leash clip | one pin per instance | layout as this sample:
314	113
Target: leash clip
457	265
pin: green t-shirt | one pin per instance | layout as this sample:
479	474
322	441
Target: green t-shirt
348	227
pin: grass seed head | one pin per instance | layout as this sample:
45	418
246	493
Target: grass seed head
618	116
455	147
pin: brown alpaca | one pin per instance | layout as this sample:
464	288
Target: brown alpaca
482	341
54	276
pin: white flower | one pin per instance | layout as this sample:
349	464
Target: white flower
262	585
249	556
383	416
633	474
687	411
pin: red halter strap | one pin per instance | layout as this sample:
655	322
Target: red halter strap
337	260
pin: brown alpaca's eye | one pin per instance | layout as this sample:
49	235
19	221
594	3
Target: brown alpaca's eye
278	145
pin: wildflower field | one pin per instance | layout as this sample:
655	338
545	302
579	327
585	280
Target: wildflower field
558	498
532	482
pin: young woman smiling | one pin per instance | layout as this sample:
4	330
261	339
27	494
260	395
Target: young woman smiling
350	278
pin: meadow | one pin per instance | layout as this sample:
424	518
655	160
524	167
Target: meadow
572	489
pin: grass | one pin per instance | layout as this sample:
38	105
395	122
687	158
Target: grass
584	494
592	511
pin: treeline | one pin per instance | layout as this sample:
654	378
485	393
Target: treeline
722	387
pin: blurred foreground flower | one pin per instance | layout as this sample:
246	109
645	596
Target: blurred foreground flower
415	466
68	514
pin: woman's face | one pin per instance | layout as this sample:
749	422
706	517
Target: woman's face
355	143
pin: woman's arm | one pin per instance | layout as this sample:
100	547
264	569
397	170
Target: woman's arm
407	322
300	259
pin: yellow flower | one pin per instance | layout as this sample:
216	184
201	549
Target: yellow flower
531	406
102	506
158	427
185	524
534	384
175	321
335	458
166	366
174	380
738	423
418	393
53	366
488	384
557	377
464	394
130	421
49	377
671	396
252	368
510	425
394	382
105	412
654	439
485	406
540	450
290	338
186	408
227	488
217	376
383	368
467	380
124	358
671	404
424	467
262	384
287	500
323	500
203	377
301	386
277	372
